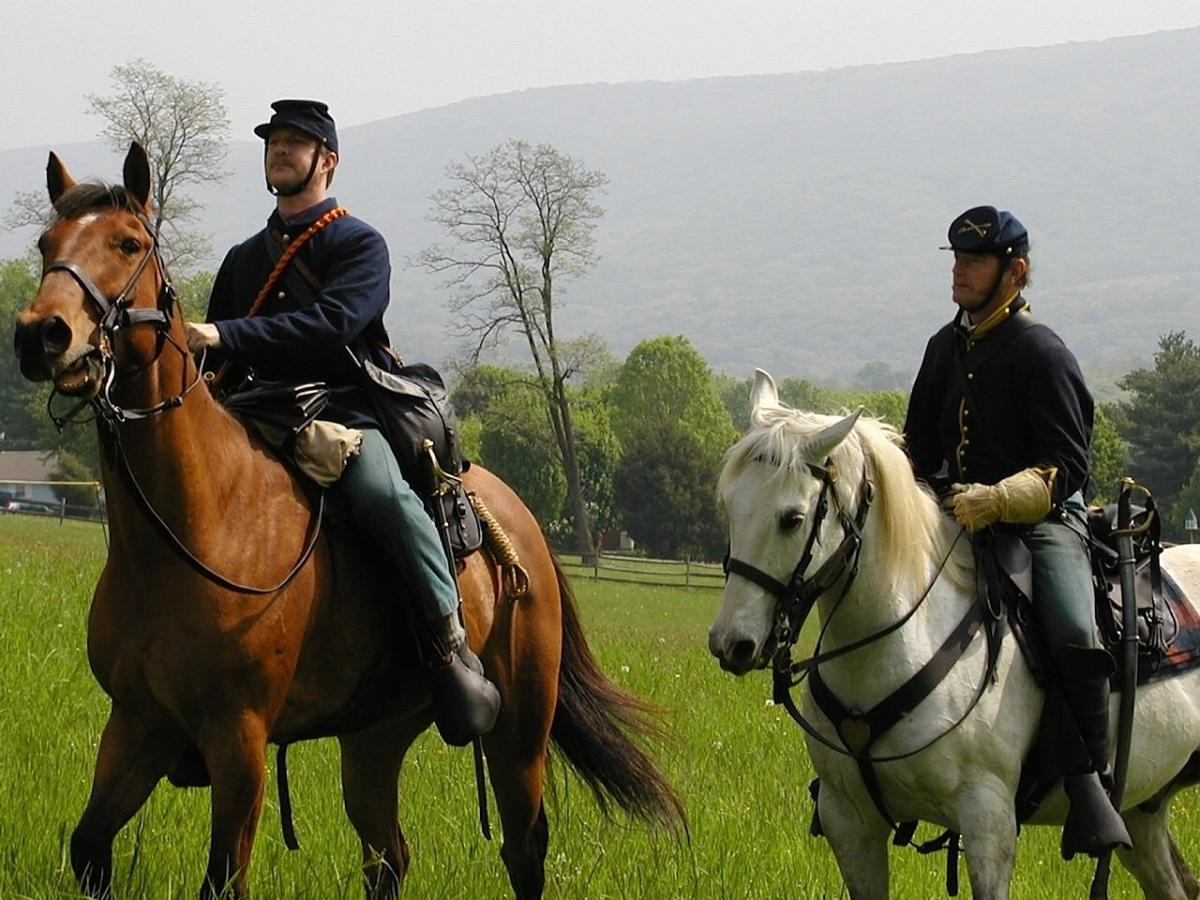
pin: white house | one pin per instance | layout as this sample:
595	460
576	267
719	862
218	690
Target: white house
20	467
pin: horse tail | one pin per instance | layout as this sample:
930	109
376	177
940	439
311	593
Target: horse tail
594	726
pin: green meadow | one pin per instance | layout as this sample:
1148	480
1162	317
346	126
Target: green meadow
738	763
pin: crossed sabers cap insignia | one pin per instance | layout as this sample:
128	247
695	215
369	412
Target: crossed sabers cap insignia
980	230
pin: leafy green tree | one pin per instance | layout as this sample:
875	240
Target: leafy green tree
1187	504
1108	459
19	415
673	429
193	291
470	437
665	380
1161	420
599	456
800	393
475	387
666	489
735	397
515	442
890	406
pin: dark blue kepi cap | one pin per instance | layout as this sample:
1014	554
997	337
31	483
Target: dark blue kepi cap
985	229
310	116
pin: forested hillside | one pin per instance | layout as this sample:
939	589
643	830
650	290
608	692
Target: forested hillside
791	221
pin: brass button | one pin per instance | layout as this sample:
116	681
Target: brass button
970	375
966	412
282	295
287	238
966	443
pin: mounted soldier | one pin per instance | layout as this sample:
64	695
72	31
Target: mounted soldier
319	325
999	423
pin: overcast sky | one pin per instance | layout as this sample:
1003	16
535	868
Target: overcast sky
373	60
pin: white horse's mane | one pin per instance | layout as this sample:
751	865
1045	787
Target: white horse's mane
912	530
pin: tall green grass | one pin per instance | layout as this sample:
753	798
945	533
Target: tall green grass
737	762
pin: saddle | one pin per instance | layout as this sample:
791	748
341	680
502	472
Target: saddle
1168	626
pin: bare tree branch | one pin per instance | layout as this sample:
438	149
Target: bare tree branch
184	128
521	218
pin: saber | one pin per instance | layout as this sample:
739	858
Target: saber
1126	567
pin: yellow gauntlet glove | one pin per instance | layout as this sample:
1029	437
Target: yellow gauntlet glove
1021	499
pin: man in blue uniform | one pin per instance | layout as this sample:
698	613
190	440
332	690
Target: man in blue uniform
999	421
317	324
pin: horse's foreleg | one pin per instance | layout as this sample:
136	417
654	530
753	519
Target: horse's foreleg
234	753
859	841
371	763
131	761
1153	859
988	822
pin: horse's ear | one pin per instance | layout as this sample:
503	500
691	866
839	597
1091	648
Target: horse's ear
58	179
137	174
821	444
764	392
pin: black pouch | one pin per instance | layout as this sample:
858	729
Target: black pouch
412	405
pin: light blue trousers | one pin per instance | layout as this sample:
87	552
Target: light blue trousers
1063	598
389	514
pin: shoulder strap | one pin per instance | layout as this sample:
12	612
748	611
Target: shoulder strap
303	284
277	272
286	257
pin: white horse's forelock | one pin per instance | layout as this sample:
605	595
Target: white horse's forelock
911	532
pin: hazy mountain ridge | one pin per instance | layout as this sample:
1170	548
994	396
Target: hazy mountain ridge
791	221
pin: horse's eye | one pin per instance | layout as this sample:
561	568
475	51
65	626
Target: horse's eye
130	245
791	520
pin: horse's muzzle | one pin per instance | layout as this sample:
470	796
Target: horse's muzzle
39	341
739	655
44	349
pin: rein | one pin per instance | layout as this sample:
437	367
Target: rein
115	315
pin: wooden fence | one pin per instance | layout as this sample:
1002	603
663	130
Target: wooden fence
638	570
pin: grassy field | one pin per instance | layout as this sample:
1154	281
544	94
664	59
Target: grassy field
737	762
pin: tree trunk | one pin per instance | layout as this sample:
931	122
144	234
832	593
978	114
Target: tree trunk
570	458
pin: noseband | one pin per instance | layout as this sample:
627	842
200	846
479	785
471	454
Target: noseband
795	599
114	315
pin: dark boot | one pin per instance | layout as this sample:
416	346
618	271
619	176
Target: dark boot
1093	825
465	703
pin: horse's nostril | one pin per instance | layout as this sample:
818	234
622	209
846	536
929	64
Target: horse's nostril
741	654
56	337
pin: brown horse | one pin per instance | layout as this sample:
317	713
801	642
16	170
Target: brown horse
203	674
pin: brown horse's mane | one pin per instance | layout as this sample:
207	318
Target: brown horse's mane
91	195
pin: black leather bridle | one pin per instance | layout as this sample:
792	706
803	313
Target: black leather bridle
795	599
115	315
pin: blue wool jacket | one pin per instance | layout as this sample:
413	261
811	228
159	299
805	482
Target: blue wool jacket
1027	405
301	335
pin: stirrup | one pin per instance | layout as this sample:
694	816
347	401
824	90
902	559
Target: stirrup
1092	825
465	703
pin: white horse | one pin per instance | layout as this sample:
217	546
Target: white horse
770	487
